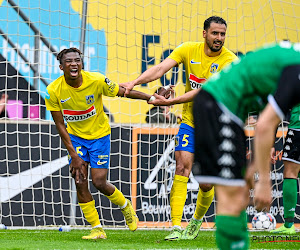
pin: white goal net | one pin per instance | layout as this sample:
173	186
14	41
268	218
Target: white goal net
120	39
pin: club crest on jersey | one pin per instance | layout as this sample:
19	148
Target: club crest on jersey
79	115
214	68
195	81
89	99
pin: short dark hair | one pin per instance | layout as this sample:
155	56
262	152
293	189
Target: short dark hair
213	19
65	51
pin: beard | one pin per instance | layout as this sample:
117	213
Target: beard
211	46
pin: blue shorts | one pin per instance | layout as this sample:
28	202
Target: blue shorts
184	141
96	152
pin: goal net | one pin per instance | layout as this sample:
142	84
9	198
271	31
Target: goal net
120	39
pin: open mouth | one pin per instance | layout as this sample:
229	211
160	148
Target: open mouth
74	72
218	43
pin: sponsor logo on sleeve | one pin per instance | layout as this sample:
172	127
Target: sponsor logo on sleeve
79	115
112	87
108	82
196	82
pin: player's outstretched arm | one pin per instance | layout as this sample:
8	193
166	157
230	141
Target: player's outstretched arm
263	142
133	94
77	164
162	101
150	74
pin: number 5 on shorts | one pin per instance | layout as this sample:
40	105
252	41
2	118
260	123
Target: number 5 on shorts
185	140
78	151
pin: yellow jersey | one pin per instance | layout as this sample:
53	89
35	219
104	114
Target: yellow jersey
82	107
198	68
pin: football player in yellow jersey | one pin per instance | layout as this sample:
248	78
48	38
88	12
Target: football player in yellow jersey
76	97
201	60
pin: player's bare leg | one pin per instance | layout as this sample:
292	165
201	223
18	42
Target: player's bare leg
99	178
231	204
87	204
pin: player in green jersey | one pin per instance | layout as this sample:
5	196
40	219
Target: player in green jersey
267	79
291	161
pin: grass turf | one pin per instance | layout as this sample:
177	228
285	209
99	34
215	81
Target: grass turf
124	239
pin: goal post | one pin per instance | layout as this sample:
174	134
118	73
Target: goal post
121	39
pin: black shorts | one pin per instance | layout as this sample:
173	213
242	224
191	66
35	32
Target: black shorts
220	144
291	146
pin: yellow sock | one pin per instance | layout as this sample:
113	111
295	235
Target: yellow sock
90	213
178	198
204	199
117	198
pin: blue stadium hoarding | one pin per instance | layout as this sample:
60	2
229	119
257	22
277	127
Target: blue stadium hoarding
61	26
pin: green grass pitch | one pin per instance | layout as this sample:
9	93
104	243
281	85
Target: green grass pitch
123	239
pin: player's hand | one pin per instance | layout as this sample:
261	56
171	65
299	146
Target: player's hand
128	86
159	100
262	194
78	169
273	156
170	93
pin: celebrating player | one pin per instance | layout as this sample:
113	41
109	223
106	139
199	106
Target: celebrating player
291	161
267	79
201	60
76	97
